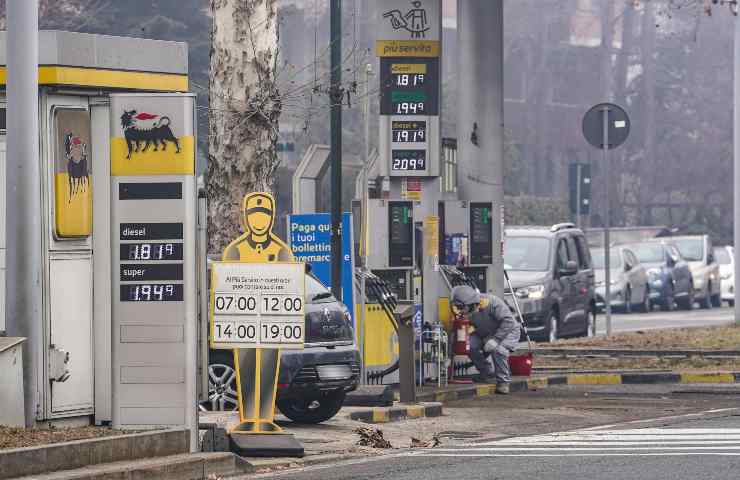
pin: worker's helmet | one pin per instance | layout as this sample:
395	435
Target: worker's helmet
464	300
258	213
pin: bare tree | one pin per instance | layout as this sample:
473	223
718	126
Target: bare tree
244	110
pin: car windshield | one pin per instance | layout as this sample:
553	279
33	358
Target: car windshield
722	256
692	249
598	258
316	292
649	252
530	254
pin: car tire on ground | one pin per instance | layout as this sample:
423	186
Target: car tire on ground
628	300
312	411
706	301
222	394
687	302
590	330
669	300
644	306
717	300
552	326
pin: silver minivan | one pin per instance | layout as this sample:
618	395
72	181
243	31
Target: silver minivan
629	280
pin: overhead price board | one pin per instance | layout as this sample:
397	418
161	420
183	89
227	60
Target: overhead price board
257	305
409	49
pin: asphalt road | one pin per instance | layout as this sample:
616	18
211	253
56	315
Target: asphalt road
675	446
657	320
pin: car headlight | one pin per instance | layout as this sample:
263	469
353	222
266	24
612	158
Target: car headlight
533	292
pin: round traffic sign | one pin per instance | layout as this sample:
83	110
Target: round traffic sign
618	126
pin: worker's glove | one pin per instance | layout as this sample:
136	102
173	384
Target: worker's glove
490	345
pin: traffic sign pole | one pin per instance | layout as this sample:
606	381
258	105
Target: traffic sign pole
578	195
606	126
607	268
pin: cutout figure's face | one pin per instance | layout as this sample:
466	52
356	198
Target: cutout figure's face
416	4
259	211
259	222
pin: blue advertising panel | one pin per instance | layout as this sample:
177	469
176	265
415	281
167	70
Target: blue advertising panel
310	242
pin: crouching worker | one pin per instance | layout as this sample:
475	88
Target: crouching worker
495	334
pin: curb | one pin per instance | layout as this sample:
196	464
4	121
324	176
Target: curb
616	378
397	413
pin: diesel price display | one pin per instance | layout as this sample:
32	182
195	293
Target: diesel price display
409	87
151	251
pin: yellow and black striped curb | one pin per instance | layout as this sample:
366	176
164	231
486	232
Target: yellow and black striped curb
537	383
397	413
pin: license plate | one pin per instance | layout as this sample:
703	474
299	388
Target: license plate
334	372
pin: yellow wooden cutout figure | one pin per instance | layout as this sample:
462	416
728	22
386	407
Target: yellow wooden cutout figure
256	368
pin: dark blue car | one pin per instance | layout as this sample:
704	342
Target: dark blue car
669	277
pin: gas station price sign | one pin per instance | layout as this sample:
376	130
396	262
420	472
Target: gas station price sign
409	86
409	160
257	305
409	131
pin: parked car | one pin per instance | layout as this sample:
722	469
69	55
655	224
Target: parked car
312	382
629	282
669	277
725	256
697	250
551	274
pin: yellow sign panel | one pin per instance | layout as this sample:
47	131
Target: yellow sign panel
72	185
410	68
407	48
95	77
167	160
431	236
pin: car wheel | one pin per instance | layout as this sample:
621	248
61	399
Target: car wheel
687	302
314	410
706	301
590	323
645	304
222	394
552	330
628	300
716	300
668	301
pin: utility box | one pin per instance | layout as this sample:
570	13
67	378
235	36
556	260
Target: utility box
11	382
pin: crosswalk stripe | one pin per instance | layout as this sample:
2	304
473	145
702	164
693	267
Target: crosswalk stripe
635	441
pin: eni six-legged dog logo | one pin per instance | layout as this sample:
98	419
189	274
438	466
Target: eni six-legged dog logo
153	130
75	151
414	21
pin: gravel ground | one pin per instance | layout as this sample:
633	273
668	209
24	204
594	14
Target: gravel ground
708	338
11	437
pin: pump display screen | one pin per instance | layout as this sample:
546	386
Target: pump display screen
400	234
151	251
409	132
409	86
152	292
409	160
481	234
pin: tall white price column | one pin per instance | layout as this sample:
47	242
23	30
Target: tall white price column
153	221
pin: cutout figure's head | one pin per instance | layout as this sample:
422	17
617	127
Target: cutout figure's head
416	4
258	213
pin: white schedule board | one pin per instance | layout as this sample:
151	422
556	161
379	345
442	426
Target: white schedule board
258	305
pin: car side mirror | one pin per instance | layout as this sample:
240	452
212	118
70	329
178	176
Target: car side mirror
571	268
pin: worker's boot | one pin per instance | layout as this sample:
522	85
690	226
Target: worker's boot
480	378
502	388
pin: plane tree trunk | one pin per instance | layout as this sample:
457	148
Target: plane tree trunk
244	111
